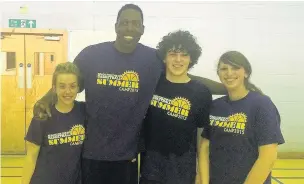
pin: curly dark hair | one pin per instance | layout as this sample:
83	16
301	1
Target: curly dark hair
185	39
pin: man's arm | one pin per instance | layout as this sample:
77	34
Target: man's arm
41	109
215	88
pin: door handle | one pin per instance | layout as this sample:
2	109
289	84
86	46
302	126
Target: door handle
21	75
29	76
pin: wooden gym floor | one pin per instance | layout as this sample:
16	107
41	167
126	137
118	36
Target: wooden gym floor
286	171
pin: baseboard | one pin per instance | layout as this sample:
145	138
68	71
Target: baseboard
291	155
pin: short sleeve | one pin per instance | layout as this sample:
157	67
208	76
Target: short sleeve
80	62
161	63
267	123
204	109
35	132
81	58
206	132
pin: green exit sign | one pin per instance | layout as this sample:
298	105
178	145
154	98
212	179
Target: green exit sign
22	23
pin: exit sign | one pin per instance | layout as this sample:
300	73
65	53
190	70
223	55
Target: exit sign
22	23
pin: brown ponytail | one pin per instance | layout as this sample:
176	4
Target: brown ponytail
252	87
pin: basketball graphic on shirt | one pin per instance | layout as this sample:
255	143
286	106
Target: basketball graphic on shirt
238	117
181	103
130	76
77	130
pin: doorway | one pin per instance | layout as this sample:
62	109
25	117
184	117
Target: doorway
28	59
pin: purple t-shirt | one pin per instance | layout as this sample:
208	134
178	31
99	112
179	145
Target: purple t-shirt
236	130
118	89
60	139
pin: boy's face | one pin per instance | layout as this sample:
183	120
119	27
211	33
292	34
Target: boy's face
177	62
66	88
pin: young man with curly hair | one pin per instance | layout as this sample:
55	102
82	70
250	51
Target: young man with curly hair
179	108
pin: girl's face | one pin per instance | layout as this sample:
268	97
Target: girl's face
66	88
232	77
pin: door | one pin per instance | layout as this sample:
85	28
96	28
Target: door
12	93
37	54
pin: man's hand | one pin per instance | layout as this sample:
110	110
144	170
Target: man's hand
42	110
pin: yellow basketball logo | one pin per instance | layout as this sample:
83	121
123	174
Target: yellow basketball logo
77	130
130	76
181	103
238	117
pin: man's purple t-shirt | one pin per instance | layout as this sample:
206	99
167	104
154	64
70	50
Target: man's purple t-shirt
118	89
60	139
236	130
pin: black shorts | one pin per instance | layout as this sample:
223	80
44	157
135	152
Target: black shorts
109	172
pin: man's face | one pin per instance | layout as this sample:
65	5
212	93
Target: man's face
129	28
